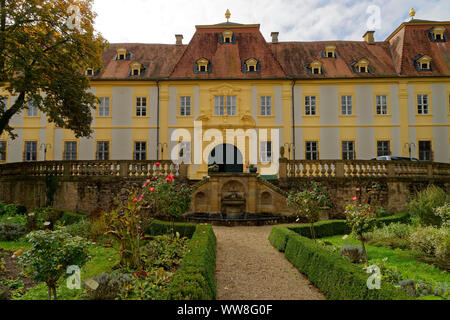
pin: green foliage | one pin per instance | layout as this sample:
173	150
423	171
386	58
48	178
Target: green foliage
40	52
68	217
395	235
79	229
11	231
50	255
111	286
432	241
166	251
444	214
11	209
422	207
353	253
195	280
158	227
279	236
332	273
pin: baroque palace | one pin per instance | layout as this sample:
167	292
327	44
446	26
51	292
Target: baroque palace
319	100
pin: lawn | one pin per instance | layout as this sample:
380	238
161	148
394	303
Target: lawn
404	260
103	259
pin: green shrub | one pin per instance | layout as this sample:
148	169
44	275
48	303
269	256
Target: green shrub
68	218
353	253
395	235
164	251
110	286
425	202
279	236
432	241
79	229
444	213
332	273
8	209
162	227
11	231
195	280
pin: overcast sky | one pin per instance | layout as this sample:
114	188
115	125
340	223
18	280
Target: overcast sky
156	21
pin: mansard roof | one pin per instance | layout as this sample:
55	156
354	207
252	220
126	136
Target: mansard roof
393	57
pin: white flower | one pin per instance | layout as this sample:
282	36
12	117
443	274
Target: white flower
31	214
47	223
345	237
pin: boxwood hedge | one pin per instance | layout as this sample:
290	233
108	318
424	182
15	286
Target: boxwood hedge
195	280
336	277
162	227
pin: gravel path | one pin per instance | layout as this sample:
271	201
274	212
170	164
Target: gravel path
250	268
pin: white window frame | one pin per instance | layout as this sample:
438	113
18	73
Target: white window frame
231	105
32	110
140	150
70	153
219	105
141	106
30	151
382	105
104	107
347	105
185	106
266	106
312	149
423	104
348	150
383	144
310	105
266	151
102	153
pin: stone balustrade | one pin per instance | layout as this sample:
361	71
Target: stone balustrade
110	168
362	169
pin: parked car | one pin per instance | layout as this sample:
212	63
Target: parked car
393	158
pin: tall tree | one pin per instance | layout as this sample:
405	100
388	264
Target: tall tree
45	48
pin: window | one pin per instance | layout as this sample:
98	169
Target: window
32	110
102	150
266	106
2	151
316	67
266	151
136	69
330	51
311	150
382	108
4	103
422	104
227	36
89	72
121	53
346	105
348	150
70	150
219	105
424	63
141	107
251	65
185	152
31	151
103	110
383	148
362	66
202	65
437	34
425	153
140	151
231	105
185	106
310	105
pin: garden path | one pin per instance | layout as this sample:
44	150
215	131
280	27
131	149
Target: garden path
250	268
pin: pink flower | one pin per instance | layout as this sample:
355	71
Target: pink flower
355	198
147	182
148	207
358	189
158	164
135	200
152	189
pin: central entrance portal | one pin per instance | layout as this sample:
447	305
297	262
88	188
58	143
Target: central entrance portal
228	158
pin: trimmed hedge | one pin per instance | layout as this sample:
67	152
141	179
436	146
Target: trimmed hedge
337	227
336	278
195	279
162	227
69	218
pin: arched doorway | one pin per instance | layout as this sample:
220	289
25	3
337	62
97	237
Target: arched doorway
228	158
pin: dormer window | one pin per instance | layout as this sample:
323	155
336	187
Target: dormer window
251	65
202	65
227	36
136	69
424	63
362	66
316	67
330	51
89	72
437	34
122	54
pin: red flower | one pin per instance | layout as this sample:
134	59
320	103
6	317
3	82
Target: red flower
152	189
158	164
355	198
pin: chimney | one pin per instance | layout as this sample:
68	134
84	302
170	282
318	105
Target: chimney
368	37
274	36
179	38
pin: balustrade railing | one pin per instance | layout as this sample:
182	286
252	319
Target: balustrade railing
127	169
361	169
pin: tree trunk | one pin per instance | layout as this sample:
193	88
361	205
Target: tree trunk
4	121
49	292
366	259
54	293
313	233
